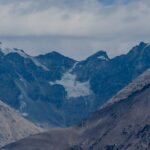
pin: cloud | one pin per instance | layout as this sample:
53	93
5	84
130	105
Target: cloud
97	24
90	18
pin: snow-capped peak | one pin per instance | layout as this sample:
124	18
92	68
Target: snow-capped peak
7	51
102	58
101	55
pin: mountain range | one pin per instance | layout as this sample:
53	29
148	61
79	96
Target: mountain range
54	90
123	123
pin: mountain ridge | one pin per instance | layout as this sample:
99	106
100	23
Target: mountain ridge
137	85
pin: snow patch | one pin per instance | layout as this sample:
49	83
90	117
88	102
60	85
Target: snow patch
7	51
22	105
102	58
74	66
25	114
73	87
37	63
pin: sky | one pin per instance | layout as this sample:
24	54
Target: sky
75	28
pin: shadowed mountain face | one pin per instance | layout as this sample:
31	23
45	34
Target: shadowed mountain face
122	124
13	126
55	90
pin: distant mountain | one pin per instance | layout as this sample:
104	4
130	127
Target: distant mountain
121	124
54	90
13	126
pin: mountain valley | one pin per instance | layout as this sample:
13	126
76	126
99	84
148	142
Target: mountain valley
122	124
53	90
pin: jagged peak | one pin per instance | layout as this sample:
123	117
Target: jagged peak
102	55
7	51
142	44
54	54
139	48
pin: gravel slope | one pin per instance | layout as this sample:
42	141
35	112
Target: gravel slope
13	126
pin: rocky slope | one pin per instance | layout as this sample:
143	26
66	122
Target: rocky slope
13	126
65	90
122	124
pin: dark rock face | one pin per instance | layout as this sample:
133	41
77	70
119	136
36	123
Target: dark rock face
143	138
119	72
56	63
122	124
85	70
25	84
55	90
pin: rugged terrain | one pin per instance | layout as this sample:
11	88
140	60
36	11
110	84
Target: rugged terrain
13	126
54	90
121	124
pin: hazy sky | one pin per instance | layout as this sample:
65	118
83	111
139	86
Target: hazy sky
76	28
